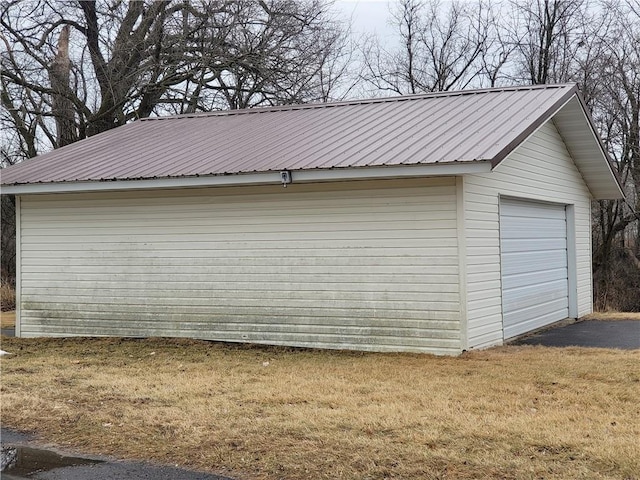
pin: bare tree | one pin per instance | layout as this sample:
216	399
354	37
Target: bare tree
443	46
612	83
61	106
619	102
546	35
276	53
7	238
73	69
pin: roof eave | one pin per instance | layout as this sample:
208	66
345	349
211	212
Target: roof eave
587	150
261	178
592	160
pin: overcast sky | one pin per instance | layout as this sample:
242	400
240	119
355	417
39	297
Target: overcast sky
368	16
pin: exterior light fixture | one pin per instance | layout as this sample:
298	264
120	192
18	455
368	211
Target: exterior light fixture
285	176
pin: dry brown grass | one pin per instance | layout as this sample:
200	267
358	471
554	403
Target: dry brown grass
7	297
7	319
613	316
271	413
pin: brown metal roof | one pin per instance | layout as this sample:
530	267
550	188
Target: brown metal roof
468	126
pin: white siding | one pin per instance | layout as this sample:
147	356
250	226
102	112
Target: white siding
363	265
542	169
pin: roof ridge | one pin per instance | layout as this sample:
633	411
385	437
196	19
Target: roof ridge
367	101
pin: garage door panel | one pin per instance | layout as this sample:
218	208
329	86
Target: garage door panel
534	321
534	267
533	261
534	280
513	245
527	229
531	209
525	297
541	309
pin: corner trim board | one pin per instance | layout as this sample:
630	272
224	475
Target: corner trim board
18	326
462	262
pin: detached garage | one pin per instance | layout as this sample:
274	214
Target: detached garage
432	223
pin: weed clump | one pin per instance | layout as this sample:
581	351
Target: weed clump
616	282
7	296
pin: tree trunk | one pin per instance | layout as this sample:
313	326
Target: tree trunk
62	106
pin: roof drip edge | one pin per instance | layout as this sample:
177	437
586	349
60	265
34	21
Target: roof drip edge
263	178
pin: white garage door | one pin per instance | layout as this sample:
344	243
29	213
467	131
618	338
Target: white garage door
533	241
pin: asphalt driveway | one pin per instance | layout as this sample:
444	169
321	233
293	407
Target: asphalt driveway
44	464
623	334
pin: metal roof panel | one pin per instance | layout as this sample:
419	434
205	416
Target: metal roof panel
446	127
